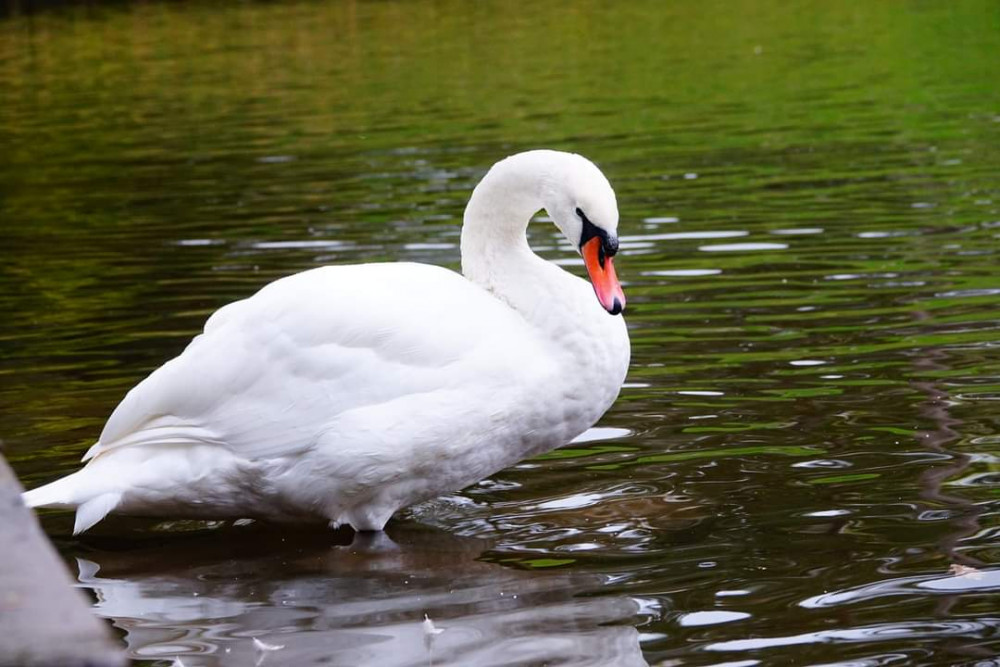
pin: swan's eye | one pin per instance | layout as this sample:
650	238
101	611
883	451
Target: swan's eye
579	212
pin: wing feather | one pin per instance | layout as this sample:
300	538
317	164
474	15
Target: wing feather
271	373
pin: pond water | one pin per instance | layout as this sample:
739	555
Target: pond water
804	464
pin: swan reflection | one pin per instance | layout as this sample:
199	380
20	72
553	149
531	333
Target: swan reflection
417	596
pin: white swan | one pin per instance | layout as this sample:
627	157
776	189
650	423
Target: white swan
347	392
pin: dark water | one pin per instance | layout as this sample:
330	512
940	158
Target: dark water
807	445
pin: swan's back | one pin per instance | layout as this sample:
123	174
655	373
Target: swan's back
267	372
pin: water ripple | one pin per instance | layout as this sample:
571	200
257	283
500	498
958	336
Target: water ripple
974	581
874	633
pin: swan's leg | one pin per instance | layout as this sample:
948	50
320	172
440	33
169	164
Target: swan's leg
373	542
371	516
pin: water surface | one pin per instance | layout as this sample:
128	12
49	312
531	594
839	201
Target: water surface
803	465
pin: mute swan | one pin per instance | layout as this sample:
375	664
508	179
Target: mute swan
344	393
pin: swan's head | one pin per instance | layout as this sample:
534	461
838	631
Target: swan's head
580	201
574	193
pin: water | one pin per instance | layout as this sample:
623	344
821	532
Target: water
805	457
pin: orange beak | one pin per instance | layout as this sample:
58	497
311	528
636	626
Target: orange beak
601	269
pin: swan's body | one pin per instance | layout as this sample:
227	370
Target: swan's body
348	392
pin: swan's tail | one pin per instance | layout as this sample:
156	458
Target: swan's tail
72	492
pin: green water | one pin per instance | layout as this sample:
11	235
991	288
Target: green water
810	198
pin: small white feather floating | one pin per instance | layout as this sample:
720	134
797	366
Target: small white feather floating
264	647
429	629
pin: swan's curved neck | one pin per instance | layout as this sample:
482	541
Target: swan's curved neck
497	216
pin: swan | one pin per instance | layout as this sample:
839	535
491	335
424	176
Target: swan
344	393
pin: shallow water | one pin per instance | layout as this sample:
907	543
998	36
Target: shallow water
807	444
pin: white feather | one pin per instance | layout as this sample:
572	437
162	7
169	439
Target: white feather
93	510
264	646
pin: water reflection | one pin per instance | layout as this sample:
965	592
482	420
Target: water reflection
961	580
874	633
337	598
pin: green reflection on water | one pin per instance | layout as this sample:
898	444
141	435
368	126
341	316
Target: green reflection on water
840	479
